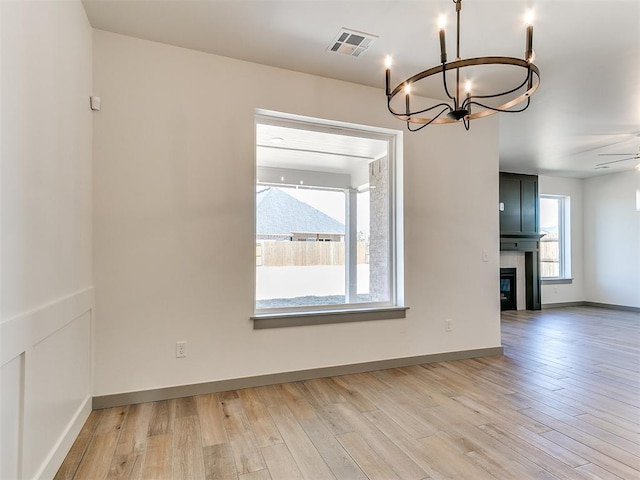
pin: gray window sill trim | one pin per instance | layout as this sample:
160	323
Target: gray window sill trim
298	319
556	281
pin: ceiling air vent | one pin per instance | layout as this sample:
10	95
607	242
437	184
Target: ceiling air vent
351	42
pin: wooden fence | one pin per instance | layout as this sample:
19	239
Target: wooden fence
550	255
282	254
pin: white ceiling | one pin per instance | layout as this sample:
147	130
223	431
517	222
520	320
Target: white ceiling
314	150
588	52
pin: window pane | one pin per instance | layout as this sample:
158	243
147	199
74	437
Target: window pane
300	234
550	243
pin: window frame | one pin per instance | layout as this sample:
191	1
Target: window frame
347	312
564	239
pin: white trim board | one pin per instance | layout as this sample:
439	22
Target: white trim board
58	453
20	333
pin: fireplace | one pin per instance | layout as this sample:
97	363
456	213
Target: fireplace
508	297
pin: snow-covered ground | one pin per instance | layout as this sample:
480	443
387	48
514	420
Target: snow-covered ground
318	280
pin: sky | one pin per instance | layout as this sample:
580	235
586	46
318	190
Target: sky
549	214
332	203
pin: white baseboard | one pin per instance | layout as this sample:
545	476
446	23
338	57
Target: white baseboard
61	449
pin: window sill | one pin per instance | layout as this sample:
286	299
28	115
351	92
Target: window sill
298	319
557	281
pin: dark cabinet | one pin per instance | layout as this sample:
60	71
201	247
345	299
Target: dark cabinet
510	215
518	203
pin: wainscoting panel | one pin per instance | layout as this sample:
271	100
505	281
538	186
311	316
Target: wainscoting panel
46	384
11	401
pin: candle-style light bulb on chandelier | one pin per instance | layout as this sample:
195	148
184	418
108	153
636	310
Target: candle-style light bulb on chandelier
462	104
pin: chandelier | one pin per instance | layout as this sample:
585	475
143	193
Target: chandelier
470	106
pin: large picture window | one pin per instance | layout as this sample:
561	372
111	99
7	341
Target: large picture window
554	245
325	217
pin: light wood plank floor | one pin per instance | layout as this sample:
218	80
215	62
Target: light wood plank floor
563	402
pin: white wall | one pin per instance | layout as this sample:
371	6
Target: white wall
45	233
571	187
173	222
612	239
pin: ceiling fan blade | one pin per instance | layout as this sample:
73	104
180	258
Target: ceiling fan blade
616	161
615	154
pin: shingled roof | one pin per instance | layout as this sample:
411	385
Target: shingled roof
278	213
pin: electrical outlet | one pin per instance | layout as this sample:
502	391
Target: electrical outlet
448	325
181	349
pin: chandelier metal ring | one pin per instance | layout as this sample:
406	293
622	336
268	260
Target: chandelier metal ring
465	107
458	64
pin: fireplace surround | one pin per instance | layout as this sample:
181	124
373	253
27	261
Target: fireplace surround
530	247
